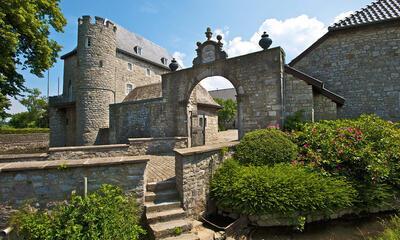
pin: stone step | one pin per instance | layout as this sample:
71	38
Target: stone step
171	228
163	196
162	185
186	236
165	206
173	214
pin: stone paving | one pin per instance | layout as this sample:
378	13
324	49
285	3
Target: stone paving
162	167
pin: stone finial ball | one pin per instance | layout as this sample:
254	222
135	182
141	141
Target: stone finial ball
219	37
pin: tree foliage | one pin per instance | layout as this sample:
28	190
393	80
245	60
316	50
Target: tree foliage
25	43
227	114
37	114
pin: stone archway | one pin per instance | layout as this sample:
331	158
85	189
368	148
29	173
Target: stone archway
257	78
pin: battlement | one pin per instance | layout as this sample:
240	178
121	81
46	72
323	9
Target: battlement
98	21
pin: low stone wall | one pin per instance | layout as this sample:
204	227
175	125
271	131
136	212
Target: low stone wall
23	157
194	168
143	146
95	151
24	143
46	182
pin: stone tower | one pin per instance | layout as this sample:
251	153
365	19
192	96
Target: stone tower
96	82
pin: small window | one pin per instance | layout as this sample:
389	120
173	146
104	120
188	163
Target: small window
101	63
164	61
202	122
130	66
129	88
148	72
138	50
88	42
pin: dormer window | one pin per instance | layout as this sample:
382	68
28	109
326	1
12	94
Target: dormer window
164	61
88	42
138	50
129	88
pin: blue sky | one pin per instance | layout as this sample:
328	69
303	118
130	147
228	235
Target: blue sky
178	25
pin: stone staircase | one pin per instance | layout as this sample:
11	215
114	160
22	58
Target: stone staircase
166	217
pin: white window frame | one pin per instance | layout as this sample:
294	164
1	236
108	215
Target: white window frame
130	66
148	72
164	61
138	50
126	88
203	121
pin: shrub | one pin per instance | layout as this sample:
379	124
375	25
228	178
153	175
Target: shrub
283	189
295	121
105	214
392	230
365	150
265	147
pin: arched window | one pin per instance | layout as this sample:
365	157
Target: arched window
129	88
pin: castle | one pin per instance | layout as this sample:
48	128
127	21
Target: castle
110	65
117	85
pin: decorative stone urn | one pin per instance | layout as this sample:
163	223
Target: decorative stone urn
265	42
173	65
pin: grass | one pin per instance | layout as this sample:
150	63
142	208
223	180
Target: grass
392	230
11	130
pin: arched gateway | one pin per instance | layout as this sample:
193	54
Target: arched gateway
267	90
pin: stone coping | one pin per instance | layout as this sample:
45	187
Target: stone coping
155	139
93	147
205	148
23	156
62	164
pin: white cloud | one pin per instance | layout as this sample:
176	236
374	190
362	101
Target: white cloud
293	34
179	57
342	16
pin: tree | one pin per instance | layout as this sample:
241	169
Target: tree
25	42
36	116
226	115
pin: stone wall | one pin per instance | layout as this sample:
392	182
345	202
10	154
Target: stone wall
24	143
211	128
81	152
194	168
46	182
324	108
298	97
361	64
139	119
137	76
143	146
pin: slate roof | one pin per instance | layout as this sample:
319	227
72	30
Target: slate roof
381	10
152	91
127	41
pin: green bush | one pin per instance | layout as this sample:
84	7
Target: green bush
392	230
295	121
105	214
365	150
281	189
11	130
265	147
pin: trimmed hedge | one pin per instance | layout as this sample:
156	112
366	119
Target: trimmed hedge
281	189
10	130
265	147
106	214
